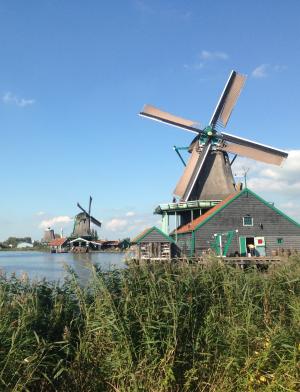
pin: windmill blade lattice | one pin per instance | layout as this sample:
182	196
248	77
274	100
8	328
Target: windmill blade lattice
190	175
227	100
253	150
159	115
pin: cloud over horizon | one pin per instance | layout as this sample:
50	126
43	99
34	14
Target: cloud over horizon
129	224
116	224
130	213
275	183
55	221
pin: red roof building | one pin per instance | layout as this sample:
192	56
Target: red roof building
240	222
58	242
58	245
192	225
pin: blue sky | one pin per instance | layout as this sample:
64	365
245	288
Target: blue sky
74	75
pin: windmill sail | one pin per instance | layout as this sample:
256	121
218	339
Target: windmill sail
168	118
228	99
191	172
95	221
253	150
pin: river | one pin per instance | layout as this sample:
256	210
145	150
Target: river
53	266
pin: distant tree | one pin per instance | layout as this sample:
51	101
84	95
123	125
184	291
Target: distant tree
125	243
14	241
94	234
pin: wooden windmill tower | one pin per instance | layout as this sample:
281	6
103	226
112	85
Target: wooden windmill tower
207	177
82	223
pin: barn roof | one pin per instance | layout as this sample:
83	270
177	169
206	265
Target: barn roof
140	235
198	222
57	242
149	230
202	218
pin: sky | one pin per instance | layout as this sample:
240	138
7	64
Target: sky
74	74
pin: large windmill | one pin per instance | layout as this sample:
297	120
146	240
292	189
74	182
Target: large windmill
208	174
82	223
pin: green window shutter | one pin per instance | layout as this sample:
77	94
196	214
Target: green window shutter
243	247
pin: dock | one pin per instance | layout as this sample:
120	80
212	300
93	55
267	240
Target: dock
260	263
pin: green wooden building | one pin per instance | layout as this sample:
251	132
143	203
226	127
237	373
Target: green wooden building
154	244
236	224
241	224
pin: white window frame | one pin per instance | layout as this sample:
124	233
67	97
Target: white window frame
248	216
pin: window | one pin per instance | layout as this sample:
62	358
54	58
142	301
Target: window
247	221
279	240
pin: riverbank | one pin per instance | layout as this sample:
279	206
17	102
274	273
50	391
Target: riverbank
34	249
46	249
153	328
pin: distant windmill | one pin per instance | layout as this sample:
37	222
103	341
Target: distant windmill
83	220
48	235
208	174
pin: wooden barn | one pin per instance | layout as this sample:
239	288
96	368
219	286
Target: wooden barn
241	224
154	244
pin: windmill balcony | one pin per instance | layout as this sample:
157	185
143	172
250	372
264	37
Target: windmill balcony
187	205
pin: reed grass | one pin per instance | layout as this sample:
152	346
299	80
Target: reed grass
153	328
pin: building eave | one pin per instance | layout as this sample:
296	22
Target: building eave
138	239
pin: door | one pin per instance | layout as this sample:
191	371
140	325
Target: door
243	246
260	246
217	244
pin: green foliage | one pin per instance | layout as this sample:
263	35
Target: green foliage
14	241
153	328
94	234
125	243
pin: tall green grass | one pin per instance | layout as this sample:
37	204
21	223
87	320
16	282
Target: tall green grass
153	328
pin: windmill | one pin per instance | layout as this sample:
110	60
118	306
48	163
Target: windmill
208	174
83	220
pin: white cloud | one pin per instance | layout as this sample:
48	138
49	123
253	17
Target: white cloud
40	213
207	55
204	57
130	213
263	70
260	71
9	98
57	220
116	224
195	66
128	224
276	184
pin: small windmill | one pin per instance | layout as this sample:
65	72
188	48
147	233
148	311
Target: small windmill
208	174
83	220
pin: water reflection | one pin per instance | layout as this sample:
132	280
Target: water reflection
52	266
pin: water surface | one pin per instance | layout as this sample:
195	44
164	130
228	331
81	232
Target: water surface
52	266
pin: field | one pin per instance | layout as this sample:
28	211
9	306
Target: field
153	328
